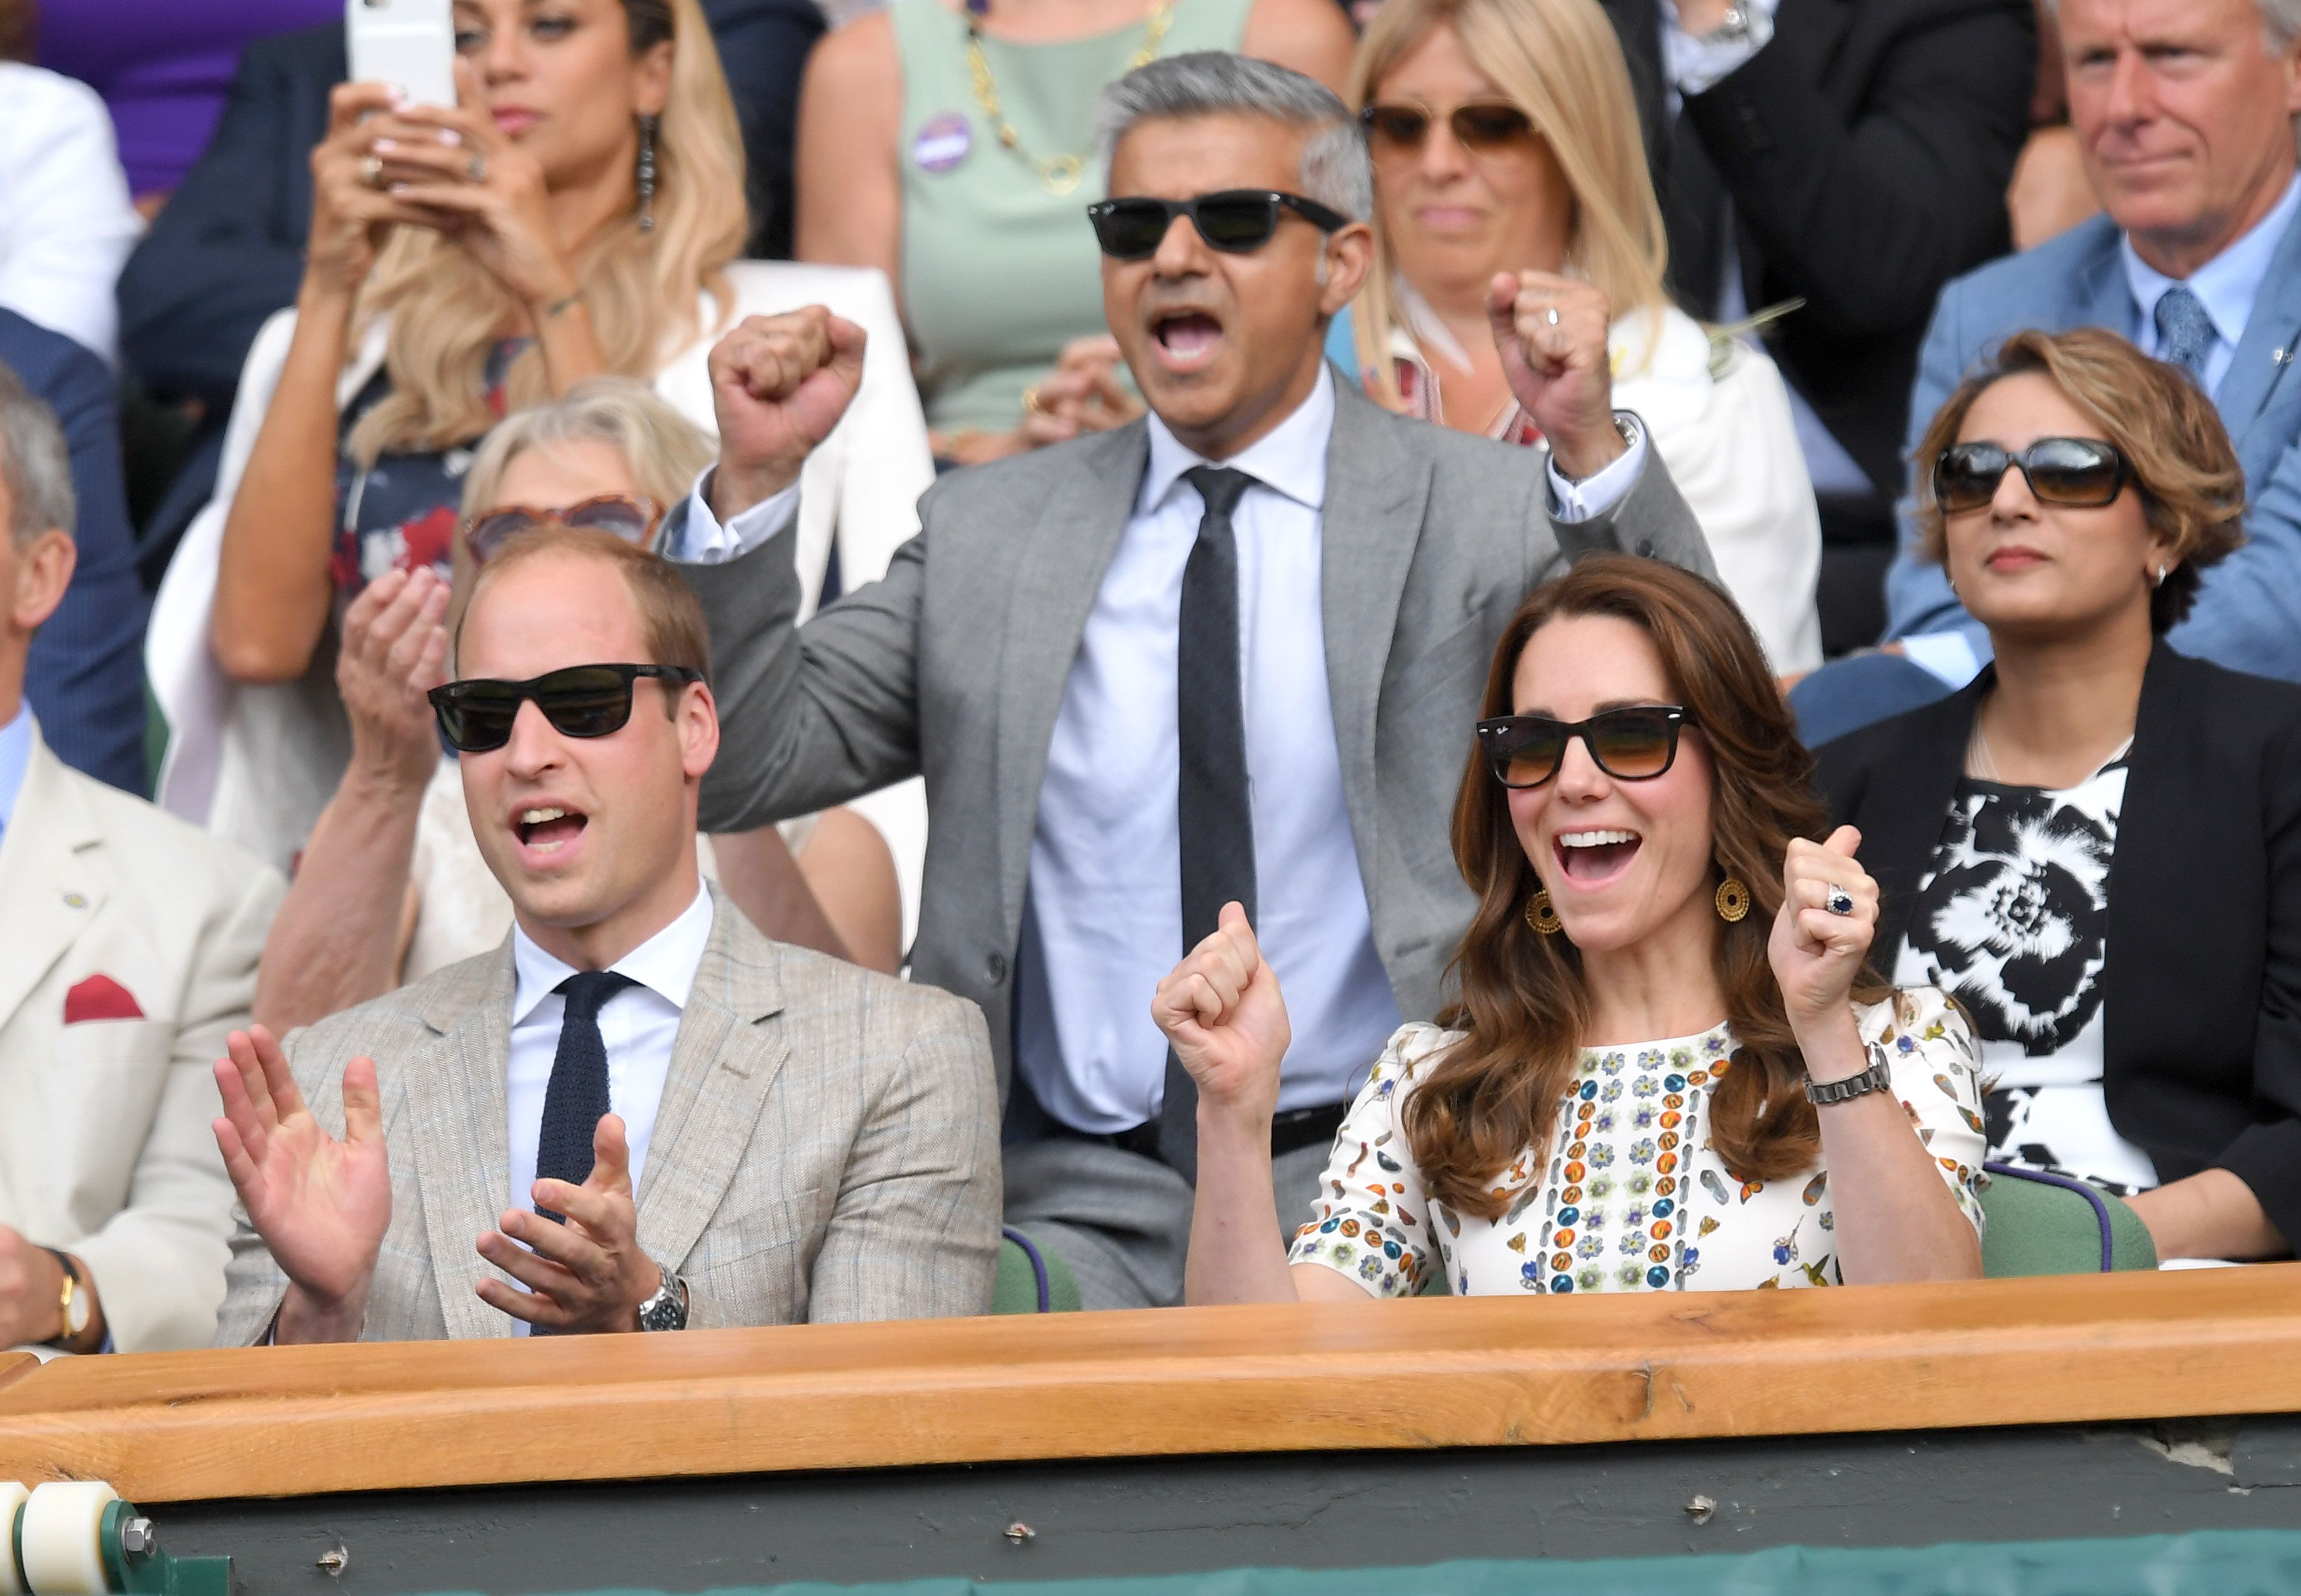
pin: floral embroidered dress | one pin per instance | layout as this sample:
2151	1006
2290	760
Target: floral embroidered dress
1633	1197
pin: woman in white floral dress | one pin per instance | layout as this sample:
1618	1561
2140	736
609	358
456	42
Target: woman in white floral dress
1636	821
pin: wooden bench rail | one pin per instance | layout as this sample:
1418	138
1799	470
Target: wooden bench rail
1429	1373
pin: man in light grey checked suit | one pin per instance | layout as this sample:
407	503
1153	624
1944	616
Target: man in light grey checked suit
725	1129
1233	651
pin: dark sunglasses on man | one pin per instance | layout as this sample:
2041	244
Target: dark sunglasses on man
1394	132
2079	472
477	716
1635	744
633	517
1235	221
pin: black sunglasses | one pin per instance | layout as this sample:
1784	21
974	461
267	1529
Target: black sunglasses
1630	745
1396	132
477	716
2080	473
1236	220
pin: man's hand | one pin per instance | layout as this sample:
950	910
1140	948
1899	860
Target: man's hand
588	1274
395	651
1698	17
1551	333
31	1292
321	1205
779	385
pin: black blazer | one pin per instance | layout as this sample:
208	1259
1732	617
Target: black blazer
2202	988
1866	151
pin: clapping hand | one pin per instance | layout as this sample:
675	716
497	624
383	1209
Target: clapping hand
1082	395
1816	951
322	1205
779	385
1551	333
588	1274
1222	1009
394	652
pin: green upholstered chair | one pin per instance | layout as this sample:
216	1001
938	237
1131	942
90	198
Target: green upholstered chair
2041	1224
1031	1281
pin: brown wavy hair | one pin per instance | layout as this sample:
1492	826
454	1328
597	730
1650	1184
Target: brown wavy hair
2185	469
1524	1004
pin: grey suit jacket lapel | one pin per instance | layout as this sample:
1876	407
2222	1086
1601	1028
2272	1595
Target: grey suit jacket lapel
1065	556
458	1119
1370	527
2267	351
723	1065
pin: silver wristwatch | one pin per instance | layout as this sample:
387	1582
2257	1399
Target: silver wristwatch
1733	27
667	1308
1878	1077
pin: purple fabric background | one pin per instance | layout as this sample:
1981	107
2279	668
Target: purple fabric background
163	67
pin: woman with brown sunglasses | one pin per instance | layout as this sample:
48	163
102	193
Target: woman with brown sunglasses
1506	146
1668	1067
2097	846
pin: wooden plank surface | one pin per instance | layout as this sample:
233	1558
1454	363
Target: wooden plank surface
1427	1373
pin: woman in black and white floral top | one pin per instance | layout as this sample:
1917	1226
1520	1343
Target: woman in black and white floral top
1669	1068
2097	846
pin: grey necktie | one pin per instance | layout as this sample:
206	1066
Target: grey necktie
2185	333
1217	827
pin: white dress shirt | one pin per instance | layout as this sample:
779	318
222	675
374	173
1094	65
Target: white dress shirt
66	222
637	1024
1103	913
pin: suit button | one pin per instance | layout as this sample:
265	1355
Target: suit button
995	967
1645	548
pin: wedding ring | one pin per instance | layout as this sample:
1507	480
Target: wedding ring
479	167
1839	901
1550	317
372	171
1030	405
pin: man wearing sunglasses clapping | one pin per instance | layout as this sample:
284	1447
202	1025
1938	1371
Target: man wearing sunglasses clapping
638	1114
1231	652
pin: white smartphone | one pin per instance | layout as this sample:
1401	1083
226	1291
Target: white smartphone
407	43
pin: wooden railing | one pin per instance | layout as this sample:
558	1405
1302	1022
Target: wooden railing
1429	1373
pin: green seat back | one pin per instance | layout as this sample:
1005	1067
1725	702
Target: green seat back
2037	1227
1017	1288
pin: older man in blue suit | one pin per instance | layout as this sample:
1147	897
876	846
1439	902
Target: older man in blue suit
2184	111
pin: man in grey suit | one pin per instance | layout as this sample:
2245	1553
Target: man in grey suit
1232	652
728	1130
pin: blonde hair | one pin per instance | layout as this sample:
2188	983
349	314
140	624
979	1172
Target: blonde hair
641	287
1558	61
663	449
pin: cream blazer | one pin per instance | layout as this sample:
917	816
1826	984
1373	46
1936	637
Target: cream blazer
104	1146
255	764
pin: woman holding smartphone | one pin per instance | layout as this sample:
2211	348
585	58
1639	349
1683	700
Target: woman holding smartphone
578	213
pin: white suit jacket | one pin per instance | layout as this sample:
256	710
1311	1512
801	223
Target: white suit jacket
255	764
104	1146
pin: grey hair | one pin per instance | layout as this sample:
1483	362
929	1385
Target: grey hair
35	464
2280	21
1335	168
663	449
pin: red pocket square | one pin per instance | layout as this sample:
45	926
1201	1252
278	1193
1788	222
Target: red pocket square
99	998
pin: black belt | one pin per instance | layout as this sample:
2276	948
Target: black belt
1290	1129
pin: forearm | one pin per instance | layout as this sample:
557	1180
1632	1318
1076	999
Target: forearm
305	1319
335	942
758	873
1895	1220
272	576
2210	1214
565	334
1237	1254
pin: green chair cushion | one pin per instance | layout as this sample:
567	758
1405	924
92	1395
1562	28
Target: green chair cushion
1017	1288
2036	1227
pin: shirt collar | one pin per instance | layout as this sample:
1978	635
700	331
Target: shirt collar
1290	459
665	964
2227	284
15	757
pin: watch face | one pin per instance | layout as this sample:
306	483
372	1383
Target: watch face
76	1316
666	1309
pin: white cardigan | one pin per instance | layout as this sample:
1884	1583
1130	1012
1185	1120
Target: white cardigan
255	762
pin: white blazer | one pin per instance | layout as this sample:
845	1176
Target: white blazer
255	762
126	955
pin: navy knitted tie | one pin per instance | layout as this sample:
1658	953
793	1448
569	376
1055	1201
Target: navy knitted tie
1215	825
577	1097
2184	332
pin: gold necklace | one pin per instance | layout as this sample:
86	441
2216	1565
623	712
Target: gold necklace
1056	174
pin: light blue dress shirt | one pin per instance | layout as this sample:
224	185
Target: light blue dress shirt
15	754
2226	286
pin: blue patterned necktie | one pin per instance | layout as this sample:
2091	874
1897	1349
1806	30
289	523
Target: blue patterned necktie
577	1097
2185	333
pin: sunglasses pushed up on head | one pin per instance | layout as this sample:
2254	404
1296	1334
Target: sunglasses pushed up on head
1235	221
1634	744
476	716
633	517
